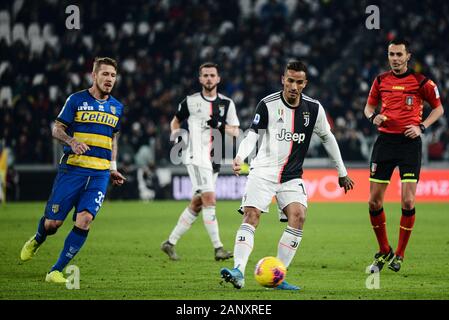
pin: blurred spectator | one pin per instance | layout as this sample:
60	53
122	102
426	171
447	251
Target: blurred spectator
148	182
159	44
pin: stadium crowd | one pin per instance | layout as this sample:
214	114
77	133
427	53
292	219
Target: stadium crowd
160	44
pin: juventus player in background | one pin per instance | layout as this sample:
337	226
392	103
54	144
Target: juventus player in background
206	111
285	121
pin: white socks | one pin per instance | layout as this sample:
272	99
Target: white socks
289	242
211	224
244	243
185	221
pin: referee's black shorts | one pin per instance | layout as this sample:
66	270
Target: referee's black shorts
391	150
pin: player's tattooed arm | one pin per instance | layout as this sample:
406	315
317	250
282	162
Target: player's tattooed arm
59	133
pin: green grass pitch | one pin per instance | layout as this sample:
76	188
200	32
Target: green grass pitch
122	259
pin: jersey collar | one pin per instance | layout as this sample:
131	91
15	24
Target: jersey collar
98	100
289	105
403	75
208	100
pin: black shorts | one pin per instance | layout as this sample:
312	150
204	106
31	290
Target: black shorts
391	150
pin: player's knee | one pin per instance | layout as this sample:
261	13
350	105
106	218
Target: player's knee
195	210
83	220
297	219
52	226
196	205
408	204
301	219
375	204
251	216
208	199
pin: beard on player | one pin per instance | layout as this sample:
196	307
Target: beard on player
209	87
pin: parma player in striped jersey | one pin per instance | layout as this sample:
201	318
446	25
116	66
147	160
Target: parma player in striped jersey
87	126
401	94
285	122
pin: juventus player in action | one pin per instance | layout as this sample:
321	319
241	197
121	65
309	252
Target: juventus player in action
209	115
286	121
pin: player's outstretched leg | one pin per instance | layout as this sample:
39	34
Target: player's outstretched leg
234	276
244	243
287	247
31	247
72	245
185	221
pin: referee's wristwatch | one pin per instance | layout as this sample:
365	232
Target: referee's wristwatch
422	127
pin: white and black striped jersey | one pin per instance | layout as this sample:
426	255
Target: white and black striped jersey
197	109
284	137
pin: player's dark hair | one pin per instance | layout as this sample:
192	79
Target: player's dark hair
208	65
104	60
399	41
296	65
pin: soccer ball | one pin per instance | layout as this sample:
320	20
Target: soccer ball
270	272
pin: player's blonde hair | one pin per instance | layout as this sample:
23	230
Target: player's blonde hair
104	60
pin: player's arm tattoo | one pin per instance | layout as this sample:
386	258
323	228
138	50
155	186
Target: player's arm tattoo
59	133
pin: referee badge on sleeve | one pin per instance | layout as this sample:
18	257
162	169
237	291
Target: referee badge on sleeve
409	100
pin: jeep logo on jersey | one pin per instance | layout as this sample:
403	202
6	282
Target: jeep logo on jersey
288	136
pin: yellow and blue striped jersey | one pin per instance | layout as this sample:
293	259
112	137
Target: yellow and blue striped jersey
93	122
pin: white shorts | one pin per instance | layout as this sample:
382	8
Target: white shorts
260	192
203	179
